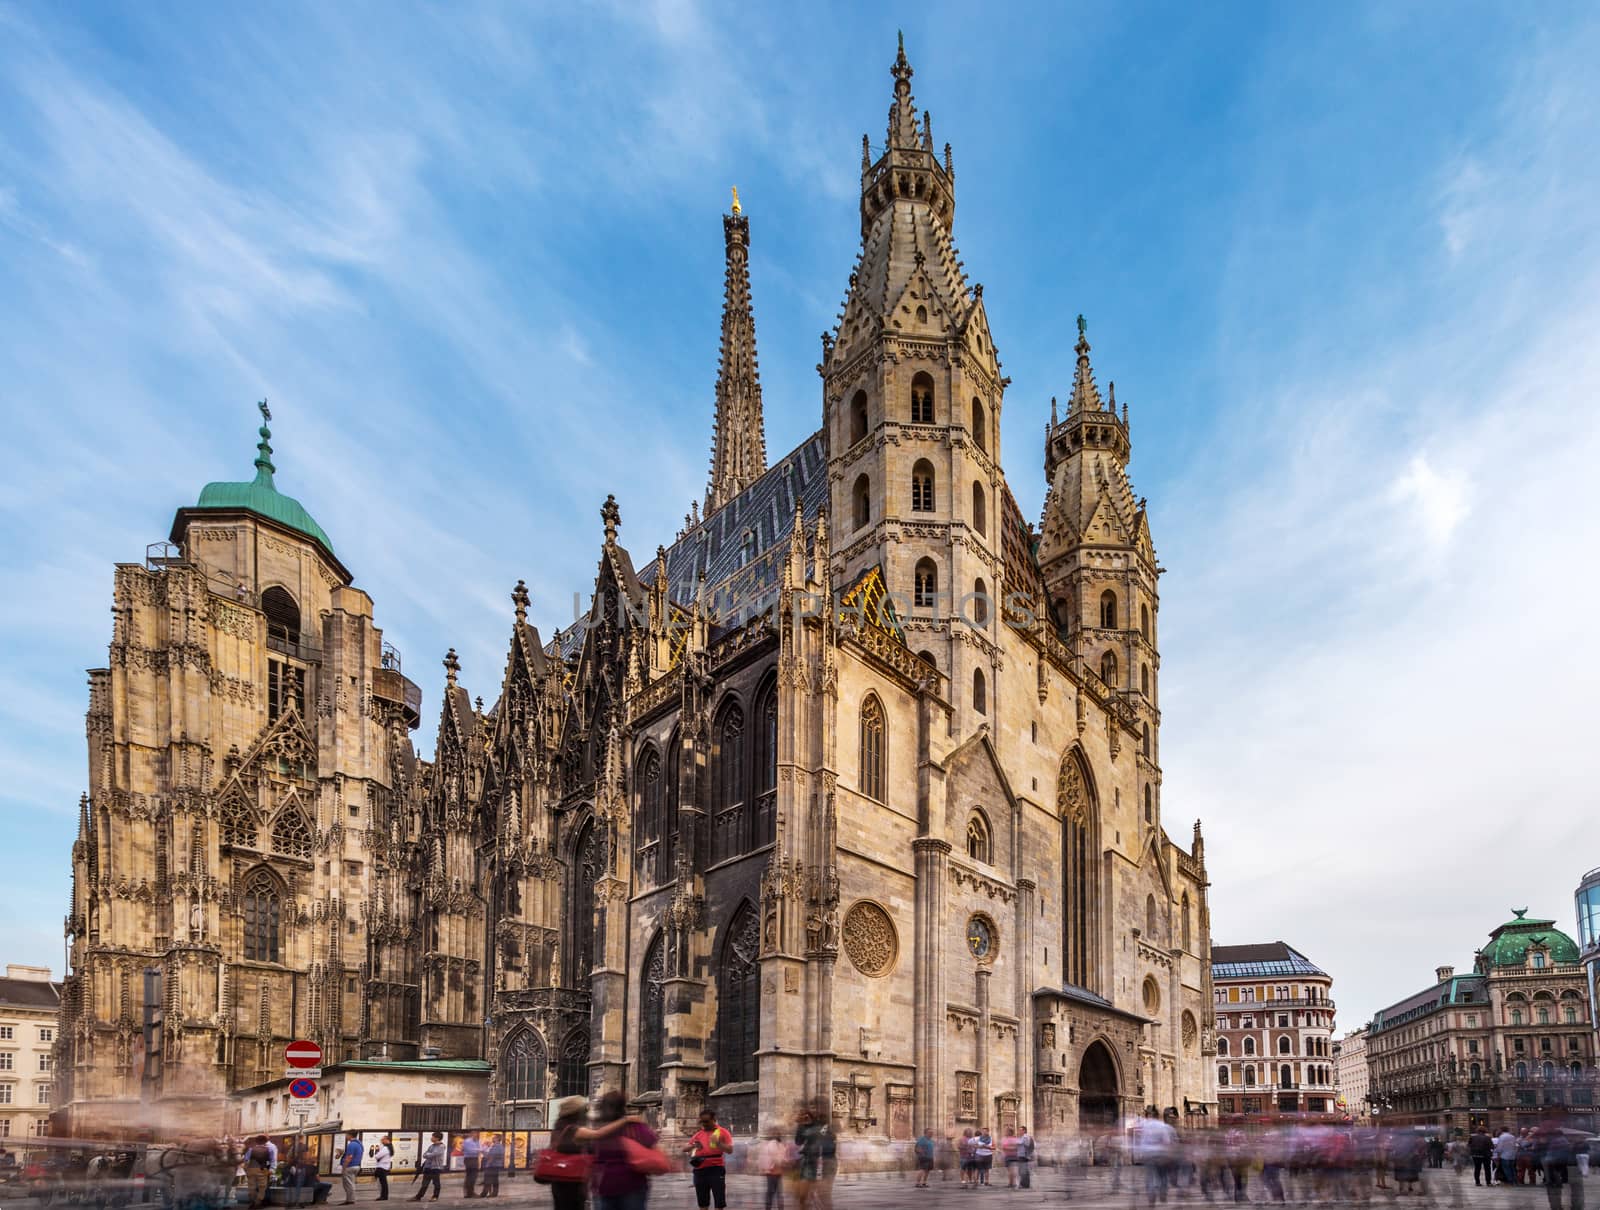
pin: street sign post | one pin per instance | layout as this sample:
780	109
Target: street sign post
303	1073
303	1054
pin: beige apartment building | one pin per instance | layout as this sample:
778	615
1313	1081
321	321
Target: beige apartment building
1350	1074
1275	1012
29	1005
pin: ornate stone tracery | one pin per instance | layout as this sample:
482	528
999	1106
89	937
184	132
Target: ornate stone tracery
870	940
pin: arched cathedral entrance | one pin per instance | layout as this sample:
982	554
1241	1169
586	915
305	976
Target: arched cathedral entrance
1098	1106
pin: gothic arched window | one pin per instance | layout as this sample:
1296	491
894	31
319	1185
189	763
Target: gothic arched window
980	512
980	603
648	786
1144	740
1144	679
262	912
588	859
874	747
1249	1074
739	999
1187	939
766	765
238	820
523	1064
858	416
1149	806
727	821
666	869
1144	622
572	1067
1222	1073
978	846
283	615
922	486
1108	610
1222	1046
1250	1048
862	498
980	692
980	430
652	1017
1152	919
1079	849
922	398
1108	669
291	834
1285	1076
925	584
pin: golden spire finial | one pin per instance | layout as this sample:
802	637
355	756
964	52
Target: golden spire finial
737	209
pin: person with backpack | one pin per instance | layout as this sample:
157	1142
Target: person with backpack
259	1162
349	1167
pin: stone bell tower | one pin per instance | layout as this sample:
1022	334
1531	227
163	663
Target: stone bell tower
1098	560
911	400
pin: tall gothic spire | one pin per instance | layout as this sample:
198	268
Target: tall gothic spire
738	439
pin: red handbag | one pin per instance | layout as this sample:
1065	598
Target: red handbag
554	1165
646	1161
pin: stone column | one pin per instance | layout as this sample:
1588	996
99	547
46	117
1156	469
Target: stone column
932	857
985	1087
1026	1051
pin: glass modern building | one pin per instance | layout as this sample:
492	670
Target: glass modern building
1588	902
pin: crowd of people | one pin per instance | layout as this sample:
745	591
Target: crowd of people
604	1155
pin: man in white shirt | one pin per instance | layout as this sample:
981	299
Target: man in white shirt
1155	1143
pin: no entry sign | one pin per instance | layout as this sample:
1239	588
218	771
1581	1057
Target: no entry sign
303	1054
301	1089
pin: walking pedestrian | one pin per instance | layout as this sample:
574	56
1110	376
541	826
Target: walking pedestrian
774	1161
350	1167
617	1185
1026	1149
258	1165
924	1153
433	1161
983	1154
1481	1147
808	1156
382	1157
1505	1154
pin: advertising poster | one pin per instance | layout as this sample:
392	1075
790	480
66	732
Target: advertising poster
369	1140
405	1151
517	1151
454	1140
336	1155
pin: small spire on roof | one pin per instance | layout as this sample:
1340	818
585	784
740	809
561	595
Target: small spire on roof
737	209
452	666
1085	395
264	467
519	597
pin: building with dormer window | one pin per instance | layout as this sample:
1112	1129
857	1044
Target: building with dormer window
1501	1046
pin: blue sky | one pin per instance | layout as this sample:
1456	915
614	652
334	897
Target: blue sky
1341	262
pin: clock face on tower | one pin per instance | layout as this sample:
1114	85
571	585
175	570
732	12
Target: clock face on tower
980	937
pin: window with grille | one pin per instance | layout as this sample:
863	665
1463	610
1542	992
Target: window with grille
727	821
925	585
431	1117
286	689
5	1093
523	1064
572	1071
238	820
291	834
922	487
261	918
739	999
766	766
47	1033
922	399
652	1023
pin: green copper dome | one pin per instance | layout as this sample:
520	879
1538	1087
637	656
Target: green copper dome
1508	944
262	497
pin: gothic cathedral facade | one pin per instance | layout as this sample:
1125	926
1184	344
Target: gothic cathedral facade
852	793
